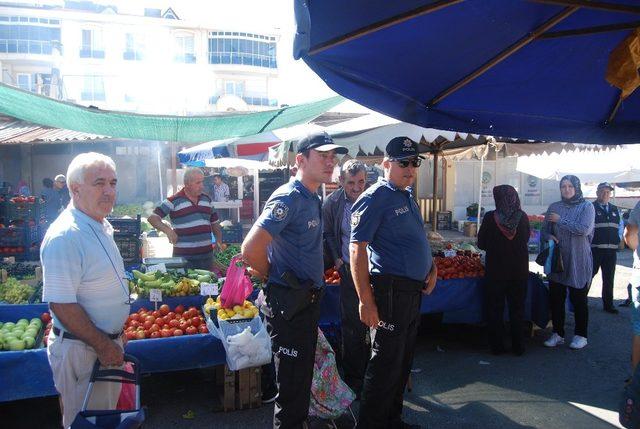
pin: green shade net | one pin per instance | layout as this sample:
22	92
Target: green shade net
192	129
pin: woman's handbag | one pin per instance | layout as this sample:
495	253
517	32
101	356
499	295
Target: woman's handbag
557	264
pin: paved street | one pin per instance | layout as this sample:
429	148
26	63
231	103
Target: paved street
459	384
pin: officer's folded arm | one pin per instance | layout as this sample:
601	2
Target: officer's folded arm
254	251
359	260
76	321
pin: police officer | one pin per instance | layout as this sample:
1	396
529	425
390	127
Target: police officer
285	245
606	240
386	222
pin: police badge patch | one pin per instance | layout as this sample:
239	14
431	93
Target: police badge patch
355	219
279	211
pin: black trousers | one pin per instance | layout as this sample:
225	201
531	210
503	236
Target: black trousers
605	259
514	292
392	347
294	348
578	297
355	334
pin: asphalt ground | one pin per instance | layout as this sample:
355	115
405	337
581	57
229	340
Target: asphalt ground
456	382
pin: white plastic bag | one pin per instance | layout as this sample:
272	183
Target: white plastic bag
246	343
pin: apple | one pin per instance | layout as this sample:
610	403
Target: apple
29	342
16	345
24	322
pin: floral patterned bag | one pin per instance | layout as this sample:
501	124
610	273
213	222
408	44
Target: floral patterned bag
330	396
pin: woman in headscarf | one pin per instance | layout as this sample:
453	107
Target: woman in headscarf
569	223
504	235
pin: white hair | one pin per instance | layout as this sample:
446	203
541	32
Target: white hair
190	173
81	163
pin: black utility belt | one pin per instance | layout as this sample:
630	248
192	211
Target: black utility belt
399	283
290	301
69	336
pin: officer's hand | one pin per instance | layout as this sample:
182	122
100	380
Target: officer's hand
110	354
430	283
172	236
369	315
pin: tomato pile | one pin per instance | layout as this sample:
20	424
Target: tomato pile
459	267
332	277
163	323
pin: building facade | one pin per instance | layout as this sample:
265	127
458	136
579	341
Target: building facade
136	56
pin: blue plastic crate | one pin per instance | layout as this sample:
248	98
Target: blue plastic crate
125	226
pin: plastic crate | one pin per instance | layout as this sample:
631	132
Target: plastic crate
232	234
24	236
129	247
125	226
22	211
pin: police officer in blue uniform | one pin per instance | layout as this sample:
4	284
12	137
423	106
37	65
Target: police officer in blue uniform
392	267
605	243
284	246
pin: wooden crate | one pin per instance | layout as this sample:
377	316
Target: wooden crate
240	389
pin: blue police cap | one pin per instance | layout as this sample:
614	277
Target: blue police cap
402	148
321	142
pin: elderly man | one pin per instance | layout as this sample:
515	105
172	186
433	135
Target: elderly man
605	243
193	221
391	265
285	244
83	281
220	189
336	212
60	185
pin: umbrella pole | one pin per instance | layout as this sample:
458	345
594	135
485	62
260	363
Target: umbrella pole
174	166
434	223
159	171
480	192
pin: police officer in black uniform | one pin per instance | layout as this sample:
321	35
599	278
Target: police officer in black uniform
605	243
284	247
392	266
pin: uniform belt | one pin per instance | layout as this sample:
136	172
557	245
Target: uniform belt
69	336
399	283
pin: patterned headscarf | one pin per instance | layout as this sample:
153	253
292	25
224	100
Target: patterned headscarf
508	213
577	198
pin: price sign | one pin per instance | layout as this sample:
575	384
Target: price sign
449	253
155	295
208	289
158	267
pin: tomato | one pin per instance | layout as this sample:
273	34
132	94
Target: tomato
156	334
177	332
166	333
174	323
134	316
195	321
164	309
154	328
191	330
147	324
156	314
203	329
45	317
171	315
184	324
179	309
140	335
192	308
142	310
134	324
150	319
160	322
130	335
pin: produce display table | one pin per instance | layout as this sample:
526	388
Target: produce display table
462	301
26	374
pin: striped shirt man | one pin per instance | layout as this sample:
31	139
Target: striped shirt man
191	222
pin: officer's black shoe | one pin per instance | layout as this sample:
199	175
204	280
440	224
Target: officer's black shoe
611	310
517	350
625	303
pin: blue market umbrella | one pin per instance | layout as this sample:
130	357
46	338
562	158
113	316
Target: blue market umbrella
552	70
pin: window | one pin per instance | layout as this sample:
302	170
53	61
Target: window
92	46
134	47
26	36
25	82
93	89
154	13
243	49
234	88
185	49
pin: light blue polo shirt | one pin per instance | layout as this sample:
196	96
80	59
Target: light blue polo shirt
82	264
292	216
389	219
